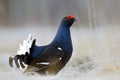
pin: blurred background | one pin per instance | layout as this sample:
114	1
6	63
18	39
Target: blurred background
95	36
49	12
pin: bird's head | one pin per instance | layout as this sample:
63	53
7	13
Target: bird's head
68	20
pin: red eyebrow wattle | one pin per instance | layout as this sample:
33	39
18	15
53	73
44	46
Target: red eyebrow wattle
69	16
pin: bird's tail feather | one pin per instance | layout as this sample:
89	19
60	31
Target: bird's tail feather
26	45
23	54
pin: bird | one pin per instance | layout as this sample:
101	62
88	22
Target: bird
46	59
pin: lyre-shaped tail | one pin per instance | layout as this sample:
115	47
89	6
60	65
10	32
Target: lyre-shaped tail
23	56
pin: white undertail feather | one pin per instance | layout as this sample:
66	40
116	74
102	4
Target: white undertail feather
26	45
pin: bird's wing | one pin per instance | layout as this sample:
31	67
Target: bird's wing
50	56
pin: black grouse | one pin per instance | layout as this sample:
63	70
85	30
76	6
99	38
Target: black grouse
47	59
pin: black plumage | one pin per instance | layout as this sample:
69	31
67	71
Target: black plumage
51	58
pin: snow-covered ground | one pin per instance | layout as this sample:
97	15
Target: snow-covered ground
96	53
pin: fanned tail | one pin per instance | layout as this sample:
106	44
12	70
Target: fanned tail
26	45
23	57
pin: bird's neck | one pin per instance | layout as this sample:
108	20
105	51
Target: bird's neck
63	39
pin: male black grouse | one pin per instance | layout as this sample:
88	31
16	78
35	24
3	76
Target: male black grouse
48	59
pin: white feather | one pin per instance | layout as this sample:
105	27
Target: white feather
44	63
60	58
26	45
59	48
